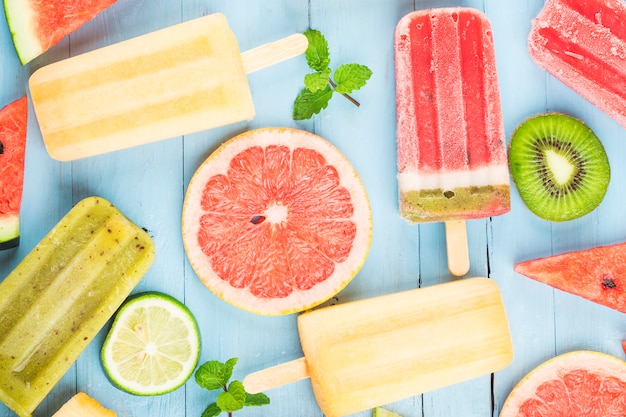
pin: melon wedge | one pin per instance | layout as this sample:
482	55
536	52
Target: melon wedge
13	119
597	274
38	25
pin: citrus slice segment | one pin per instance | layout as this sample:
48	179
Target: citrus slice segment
580	383
383	412
276	221
153	345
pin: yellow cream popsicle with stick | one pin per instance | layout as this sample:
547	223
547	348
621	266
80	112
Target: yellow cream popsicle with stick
82	405
175	81
62	293
368	353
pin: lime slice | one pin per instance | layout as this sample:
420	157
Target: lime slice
153	345
382	412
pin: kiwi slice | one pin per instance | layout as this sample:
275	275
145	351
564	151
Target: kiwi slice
559	166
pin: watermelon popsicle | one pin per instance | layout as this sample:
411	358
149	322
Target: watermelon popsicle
62	293
178	80
367	353
451	148
583	44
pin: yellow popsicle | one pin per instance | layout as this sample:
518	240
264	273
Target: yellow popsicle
174	81
62	293
368	353
82	405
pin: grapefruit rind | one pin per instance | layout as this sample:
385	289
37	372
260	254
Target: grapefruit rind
591	361
299	300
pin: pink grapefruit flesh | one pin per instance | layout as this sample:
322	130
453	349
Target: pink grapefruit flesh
276	221
575	384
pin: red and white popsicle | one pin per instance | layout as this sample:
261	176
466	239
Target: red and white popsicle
583	44
452	163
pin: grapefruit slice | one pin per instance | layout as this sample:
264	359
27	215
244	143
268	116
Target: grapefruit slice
276	221
38	25
581	383
597	274
13	118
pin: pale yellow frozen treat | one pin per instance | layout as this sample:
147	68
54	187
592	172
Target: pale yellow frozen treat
62	293
82	405
174	81
368	353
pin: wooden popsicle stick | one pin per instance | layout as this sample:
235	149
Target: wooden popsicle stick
456	245
276	376
274	52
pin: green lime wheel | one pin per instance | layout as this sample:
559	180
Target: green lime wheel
153	345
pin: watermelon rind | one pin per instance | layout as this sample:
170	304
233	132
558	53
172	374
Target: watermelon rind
9	231
13	125
20	18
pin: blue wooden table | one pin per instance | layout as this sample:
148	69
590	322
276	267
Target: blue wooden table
148	184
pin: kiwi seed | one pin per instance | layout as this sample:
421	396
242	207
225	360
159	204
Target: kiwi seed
559	166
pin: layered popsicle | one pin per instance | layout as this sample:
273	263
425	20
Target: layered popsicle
62	293
82	405
583	44
368	353
450	135
451	147
174	81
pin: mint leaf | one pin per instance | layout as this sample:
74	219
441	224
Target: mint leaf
237	391
317	55
256	399
209	375
317	80
214	374
228	369
212	411
228	402
351	77
307	103
319	87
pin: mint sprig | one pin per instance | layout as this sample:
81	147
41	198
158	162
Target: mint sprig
320	85
215	375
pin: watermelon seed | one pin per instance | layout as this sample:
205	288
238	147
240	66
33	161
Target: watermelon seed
608	283
257	219
1	148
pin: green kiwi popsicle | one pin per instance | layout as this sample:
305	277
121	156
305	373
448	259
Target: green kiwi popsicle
62	293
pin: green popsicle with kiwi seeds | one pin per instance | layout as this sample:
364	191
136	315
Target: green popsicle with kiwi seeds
62	293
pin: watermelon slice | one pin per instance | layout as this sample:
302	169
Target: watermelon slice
37	25
597	274
12	150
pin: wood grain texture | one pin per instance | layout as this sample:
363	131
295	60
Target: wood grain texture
148	184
